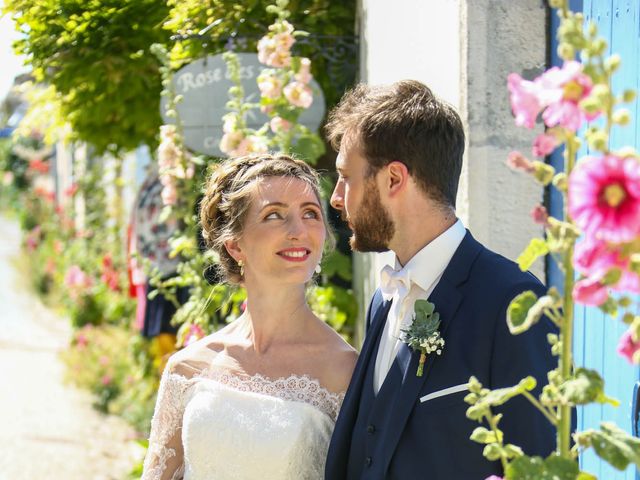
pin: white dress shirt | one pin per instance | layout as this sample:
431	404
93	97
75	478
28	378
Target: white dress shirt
423	273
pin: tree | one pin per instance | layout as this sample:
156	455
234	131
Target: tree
95	53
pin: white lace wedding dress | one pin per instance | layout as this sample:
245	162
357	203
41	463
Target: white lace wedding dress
221	426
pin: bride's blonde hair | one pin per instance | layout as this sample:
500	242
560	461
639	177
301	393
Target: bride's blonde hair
229	193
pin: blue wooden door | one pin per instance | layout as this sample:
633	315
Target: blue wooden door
596	335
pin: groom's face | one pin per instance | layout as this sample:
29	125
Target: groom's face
357	197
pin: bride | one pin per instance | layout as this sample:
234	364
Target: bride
259	398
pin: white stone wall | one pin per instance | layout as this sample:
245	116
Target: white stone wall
464	50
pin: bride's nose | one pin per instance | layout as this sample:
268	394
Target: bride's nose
296	229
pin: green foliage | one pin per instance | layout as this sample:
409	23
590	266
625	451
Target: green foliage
585	386
612	444
95	54
241	24
336	306
551	468
95	362
518	317
536	248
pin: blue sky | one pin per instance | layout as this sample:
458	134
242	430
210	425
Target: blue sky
10	64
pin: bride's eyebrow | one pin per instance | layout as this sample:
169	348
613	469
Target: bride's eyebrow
285	205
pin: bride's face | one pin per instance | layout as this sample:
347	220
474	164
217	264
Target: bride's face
284	232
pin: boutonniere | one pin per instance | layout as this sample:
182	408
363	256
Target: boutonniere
423	335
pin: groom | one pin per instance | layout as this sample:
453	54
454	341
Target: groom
399	162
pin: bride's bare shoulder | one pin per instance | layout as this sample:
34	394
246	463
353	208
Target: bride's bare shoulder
339	360
199	355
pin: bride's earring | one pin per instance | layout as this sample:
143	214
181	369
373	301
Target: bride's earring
241	265
318	269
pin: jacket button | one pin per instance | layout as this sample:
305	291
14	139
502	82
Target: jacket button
371	429
367	461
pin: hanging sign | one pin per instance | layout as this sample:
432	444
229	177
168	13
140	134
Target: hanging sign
204	85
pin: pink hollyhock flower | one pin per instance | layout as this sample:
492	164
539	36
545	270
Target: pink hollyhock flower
82	340
230	124
304	72
169	194
628	347
167	132
194	334
525	103
71	190
299	94
233	142
50	266
7	178
540	215
270	86
544	144
256	144
562	90
604	197
275	51
266	109
517	161
106	380
279	124
594	258
168	155
591	292
76	278
37	165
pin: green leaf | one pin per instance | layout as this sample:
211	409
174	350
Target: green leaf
518	318
535	468
537	247
613	445
502	395
337	263
585	386
309	147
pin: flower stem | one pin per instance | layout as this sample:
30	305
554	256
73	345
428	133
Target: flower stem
541	407
423	358
566	328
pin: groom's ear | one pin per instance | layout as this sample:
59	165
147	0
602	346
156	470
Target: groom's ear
397	177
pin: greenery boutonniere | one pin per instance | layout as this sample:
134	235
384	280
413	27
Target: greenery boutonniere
423	335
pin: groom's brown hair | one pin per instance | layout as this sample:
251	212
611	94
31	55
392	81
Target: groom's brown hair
404	122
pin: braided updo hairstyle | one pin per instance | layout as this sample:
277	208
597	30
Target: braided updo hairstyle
228	196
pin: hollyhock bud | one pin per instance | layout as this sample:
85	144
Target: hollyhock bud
540	215
544	144
517	161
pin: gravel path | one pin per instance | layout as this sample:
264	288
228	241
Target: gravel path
48	430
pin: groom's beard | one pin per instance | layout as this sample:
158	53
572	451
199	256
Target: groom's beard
372	225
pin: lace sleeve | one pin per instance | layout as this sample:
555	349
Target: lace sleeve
164	460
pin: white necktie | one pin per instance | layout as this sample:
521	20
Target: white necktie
395	286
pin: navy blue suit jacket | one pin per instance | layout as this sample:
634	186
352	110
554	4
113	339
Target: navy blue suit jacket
430	440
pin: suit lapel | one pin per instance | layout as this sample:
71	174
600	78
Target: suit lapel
447	298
